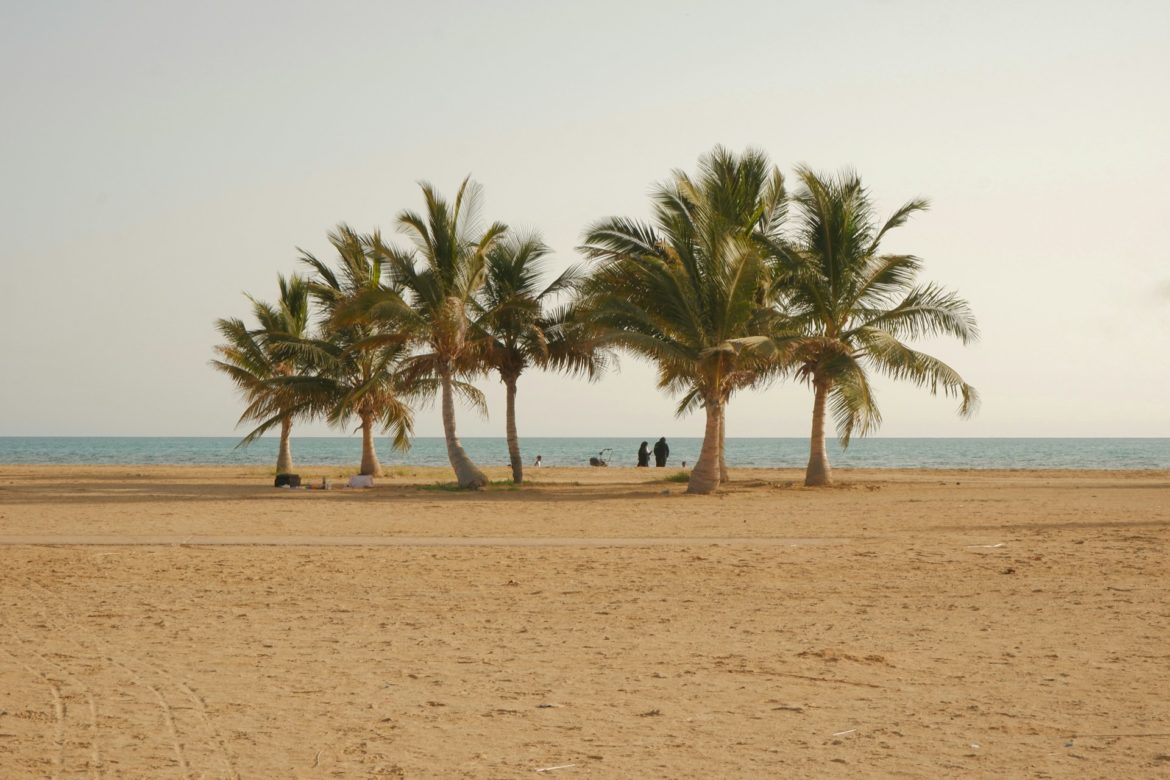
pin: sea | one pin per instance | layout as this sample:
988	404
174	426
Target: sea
877	452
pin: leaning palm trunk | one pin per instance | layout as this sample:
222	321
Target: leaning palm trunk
284	461
818	472
723	446
705	476
466	472
370	464
513	438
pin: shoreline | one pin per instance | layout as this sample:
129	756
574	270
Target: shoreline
392	471
1114	454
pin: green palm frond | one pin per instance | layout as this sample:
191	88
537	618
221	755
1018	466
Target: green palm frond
574	346
884	277
691	400
852	404
896	360
685	291
398	418
924	312
512	329
898	219
618	237
845	305
472	396
442	280
356	359
256	359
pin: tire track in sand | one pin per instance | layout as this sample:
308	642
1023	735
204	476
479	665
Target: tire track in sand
57	760
43	607
95	754
137	669
168	715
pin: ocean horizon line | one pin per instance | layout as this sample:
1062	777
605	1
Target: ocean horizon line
742	452
357	437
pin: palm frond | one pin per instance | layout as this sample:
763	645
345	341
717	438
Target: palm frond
685	291
897	219
472	396
897	361
690	401
853	405
924	312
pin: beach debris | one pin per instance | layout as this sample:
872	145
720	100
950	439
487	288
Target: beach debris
843	733
650	713
555	768
548	705
985	546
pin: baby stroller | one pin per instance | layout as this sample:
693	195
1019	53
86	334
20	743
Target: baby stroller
601	459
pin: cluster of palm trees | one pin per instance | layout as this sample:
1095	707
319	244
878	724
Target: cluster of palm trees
733	284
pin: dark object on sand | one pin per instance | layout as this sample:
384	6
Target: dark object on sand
601	459
291	480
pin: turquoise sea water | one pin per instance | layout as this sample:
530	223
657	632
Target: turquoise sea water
776	453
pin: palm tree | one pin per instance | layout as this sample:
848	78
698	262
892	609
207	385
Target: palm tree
683	290
516	330
850	307
254	357
440	299
358	360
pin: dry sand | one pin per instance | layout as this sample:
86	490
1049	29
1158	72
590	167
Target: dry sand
193	622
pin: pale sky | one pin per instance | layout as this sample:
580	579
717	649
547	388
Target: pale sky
159	159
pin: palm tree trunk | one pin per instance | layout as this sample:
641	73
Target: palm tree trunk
370	464
284	461
513	439
466	472
723	445
818	472
705	476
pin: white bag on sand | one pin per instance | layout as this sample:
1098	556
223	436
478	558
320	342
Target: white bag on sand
361	480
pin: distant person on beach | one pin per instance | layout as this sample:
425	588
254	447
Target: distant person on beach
538	462
644	454
661	452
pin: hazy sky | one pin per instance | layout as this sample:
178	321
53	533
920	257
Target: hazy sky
161	158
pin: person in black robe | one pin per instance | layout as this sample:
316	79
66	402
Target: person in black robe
661	452
644	454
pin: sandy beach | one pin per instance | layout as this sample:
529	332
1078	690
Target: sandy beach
195	622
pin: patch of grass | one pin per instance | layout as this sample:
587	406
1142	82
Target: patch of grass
682	476
453	487
446	487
